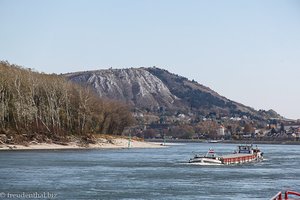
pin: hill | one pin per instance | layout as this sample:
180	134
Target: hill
156	90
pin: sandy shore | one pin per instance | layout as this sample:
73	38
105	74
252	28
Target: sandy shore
118	143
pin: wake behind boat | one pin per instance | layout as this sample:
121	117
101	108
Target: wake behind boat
243	154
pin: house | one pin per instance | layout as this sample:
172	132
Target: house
221	131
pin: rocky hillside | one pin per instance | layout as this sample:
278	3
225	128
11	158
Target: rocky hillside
154	89
135	86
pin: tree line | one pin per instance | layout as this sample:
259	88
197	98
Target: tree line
44	104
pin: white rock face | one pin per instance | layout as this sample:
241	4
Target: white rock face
136	86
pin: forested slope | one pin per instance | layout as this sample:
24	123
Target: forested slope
35	106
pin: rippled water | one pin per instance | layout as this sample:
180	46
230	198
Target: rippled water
148	173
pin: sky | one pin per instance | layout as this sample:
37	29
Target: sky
247	51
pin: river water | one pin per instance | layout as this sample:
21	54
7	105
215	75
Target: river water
146	174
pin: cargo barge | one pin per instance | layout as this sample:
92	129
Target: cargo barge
243	154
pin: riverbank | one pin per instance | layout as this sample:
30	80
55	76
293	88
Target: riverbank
224	141
102	143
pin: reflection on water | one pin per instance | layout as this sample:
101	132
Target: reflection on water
149	173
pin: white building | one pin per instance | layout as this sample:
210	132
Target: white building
221	131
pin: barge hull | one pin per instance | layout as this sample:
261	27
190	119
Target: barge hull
238	158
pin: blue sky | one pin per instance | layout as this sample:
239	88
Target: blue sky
248	51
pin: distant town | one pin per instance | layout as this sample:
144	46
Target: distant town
189	126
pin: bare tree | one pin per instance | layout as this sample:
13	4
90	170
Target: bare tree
50	105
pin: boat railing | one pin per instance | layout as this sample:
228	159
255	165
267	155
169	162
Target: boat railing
279	195
196	153
287	193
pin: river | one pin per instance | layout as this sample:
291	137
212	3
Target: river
161	173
